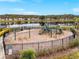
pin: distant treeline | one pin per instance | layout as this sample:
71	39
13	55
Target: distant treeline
65	16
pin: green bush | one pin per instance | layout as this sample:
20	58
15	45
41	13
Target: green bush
74	43
73	31
28	54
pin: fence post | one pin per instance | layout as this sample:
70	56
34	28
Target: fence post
29	33
52	43
14	34
69	41
22	45
62	43
38	46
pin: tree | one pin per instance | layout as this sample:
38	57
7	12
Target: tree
73	31
42	18
18	22
58	30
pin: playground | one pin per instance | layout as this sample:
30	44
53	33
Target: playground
34	36
39	39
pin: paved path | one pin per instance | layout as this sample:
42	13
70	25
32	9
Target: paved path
2	55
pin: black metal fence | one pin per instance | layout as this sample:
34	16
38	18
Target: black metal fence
38	46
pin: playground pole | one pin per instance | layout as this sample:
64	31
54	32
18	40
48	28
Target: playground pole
29	32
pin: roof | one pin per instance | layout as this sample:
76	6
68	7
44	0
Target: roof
23	25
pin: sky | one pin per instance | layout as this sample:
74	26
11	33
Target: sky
39	7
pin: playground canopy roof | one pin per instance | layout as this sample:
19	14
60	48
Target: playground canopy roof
24	25
2	26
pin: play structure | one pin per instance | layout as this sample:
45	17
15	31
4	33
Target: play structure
46	29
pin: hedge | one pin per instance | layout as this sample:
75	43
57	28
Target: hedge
4	31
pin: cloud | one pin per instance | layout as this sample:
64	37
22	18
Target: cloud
26	13
17	9
11	9
31	13
75	9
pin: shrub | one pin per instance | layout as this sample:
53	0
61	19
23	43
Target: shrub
45	52
73	31
74	55
28	54
42	53
74	43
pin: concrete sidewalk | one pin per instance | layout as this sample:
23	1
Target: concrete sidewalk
2	54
